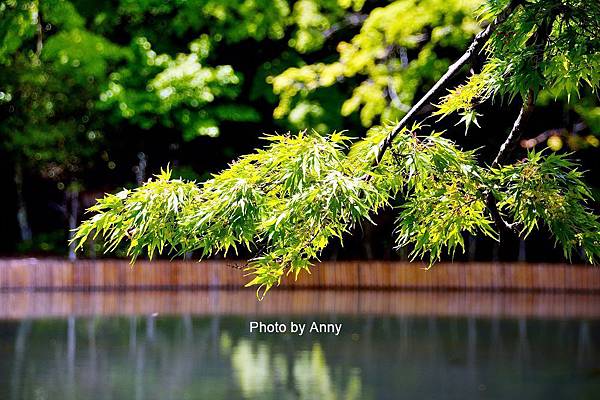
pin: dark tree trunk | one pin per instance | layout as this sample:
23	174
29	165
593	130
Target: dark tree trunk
140	168
72	206
24	227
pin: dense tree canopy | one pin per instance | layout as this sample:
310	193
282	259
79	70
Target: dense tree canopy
87	86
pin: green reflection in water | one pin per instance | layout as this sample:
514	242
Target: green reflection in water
304	374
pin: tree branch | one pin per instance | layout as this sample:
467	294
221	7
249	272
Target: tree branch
539	40
513	137
476	45
517	129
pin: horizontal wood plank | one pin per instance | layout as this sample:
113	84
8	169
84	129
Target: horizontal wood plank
45	274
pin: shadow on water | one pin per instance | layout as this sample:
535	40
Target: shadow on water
197	345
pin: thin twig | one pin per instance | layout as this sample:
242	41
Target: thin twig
499	220
517	129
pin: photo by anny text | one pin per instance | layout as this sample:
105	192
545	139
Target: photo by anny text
296	328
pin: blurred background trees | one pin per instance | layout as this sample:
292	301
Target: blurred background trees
97	95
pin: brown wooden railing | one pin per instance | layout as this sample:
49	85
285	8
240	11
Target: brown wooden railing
41	274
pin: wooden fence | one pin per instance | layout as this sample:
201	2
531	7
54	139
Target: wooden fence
41	274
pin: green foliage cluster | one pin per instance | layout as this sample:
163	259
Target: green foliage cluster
302	22
286	202
146	215
404	47
448	198
50	123
174	92
549	190
76	69
379	58
551	46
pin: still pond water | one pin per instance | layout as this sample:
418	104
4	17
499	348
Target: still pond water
379	354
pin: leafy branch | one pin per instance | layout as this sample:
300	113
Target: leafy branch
287	201
476	46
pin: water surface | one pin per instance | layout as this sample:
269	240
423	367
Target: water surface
83	353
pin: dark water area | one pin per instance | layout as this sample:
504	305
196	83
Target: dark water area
376	356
